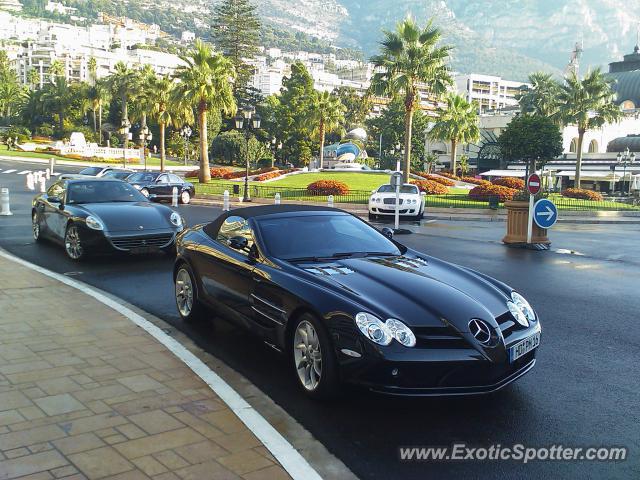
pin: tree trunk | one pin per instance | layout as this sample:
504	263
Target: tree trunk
581	132
143	124
454	155
205	174
100	123
162	154
95	125
408	128
321	144
61	122
125	116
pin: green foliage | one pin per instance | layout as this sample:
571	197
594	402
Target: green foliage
326	114
357	107
228	147
542	98
235	33
531	137
12	95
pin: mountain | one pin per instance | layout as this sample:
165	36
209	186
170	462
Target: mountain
511	38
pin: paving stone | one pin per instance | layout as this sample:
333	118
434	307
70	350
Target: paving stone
149	465
100	462
201	452
30	436
31	413
64	472
113	439
159	442
274	472
78	443
9	417
156	421
58	404
39	447
171	460
16	452
225	420
96	422
139	383
131	431
244	462
29	464
205	471
55	386
11	400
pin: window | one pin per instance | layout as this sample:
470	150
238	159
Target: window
102	191
235	226
163	179
593	146
174	178
573	148
403	189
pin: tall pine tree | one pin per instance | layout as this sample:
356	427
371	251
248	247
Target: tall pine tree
236	31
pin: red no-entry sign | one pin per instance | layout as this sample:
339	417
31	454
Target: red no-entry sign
534	183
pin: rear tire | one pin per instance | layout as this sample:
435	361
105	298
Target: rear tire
313	359
185	197
186	294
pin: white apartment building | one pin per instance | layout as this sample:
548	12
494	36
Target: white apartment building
490	92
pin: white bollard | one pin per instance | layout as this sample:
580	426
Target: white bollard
43	184
52	162
48	174
4	202
174	197
277	199
330	201
30	182
225	201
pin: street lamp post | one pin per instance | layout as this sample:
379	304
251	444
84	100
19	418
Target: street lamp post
186	135
126	136
145	137
625	160
248	120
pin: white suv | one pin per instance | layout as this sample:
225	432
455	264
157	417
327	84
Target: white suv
382	202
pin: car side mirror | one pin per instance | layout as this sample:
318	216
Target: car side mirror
253	253
53	199
387	232
238	243
422	194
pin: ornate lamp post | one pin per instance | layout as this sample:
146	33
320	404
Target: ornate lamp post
125	126
248	120
625	160
145	137
186	132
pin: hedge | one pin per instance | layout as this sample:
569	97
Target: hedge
582	194
430	187
484	192
476	181
328	187
449	175
435	178
216	172
510	182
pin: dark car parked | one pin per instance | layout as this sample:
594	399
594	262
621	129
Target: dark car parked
118	173
347	303
103	215
159	186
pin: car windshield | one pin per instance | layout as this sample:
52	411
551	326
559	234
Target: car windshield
142	177
403	189
102	192
322	236
90	171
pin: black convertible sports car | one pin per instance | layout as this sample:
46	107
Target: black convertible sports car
348	303
159	186
101	215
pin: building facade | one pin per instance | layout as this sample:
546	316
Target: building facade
489	92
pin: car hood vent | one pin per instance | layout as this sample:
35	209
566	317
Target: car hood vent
330	270
406	262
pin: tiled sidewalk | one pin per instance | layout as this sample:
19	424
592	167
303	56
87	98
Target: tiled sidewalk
84	393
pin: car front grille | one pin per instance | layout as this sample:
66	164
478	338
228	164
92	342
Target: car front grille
148	241
391	201
445	337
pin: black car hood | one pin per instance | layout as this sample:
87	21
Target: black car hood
419	290
127	216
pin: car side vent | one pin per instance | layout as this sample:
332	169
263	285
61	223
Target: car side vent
416	262
330	270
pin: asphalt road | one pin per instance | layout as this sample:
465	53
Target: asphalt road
584	391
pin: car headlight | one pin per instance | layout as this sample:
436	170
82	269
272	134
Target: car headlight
524	306
401	332
373	328
94	223
137	187
176	219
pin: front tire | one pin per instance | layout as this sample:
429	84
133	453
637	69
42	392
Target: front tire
313	358
73	245
186	293
372	217
35	224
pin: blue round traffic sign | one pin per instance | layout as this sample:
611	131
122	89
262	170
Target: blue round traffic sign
545	213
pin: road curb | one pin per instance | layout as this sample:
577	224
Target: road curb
214	373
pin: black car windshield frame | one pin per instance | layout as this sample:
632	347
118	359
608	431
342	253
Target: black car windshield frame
102	191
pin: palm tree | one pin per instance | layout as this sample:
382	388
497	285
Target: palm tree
464	164
205	83
588	104
327	113
92	66
145	78
58	98
56	69
457	123
542	98
165	111
98	95
123	85
411	56
33	78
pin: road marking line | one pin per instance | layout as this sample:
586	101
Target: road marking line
290	459
10	171
24	172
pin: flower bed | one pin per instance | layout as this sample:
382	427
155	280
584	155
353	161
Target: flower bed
435	178
449	175
430	187
269	175
484	192
328	187
582	194
510	182
476	181
216	172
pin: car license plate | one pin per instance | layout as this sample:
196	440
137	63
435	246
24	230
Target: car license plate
523	347
143	250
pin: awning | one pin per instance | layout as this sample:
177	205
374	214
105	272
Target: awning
592	175
503	173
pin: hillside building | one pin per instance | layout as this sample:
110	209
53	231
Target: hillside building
489	92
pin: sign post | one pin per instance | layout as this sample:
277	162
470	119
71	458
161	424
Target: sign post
396	181
533	186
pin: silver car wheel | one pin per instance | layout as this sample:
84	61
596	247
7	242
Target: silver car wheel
72	243
307	355
184	292
185	197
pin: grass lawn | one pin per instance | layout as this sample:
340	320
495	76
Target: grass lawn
13	153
